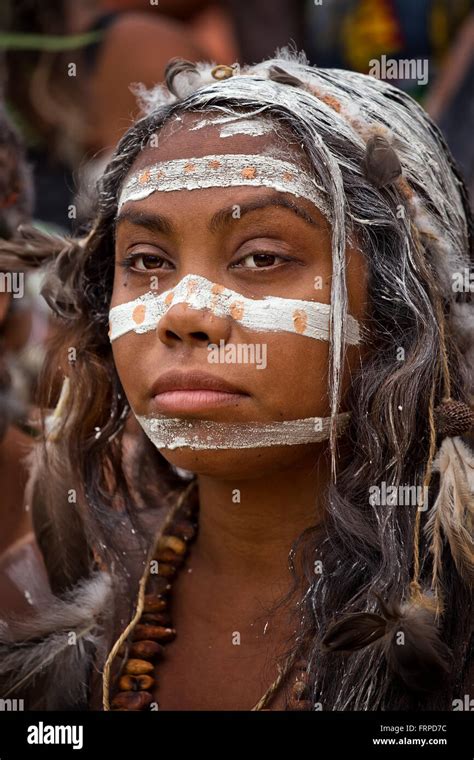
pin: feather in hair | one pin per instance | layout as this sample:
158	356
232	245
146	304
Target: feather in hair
56	647
408	635
452	515
56	529
381	164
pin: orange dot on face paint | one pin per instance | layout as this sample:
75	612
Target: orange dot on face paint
216	289
287	176
249	172
169	298
143	178
214	164
138	314
300	320
237	310
189	168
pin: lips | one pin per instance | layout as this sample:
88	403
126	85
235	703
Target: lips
190	381
188	392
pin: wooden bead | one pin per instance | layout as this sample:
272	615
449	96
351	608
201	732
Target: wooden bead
146	650
184	529
136	667
157	618
159	584
165	569
154	603
154	632
177	545
132	700
169	556
136	683
453	417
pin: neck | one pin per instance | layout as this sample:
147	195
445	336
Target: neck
247	528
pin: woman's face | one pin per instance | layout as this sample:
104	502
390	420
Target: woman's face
256	241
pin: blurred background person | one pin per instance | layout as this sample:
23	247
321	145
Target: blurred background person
66	69
22	570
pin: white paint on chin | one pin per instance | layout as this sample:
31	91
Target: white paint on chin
174	433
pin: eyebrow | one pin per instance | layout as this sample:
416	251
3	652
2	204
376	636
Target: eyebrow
159	223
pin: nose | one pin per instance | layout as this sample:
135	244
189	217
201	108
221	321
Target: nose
195	327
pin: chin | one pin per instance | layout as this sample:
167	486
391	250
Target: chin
236	464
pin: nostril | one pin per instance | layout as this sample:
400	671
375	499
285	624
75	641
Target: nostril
201	336
170	335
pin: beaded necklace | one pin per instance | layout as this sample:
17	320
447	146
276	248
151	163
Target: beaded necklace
150	628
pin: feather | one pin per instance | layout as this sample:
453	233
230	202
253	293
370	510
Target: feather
184	72
414	650
56	529
354	631
31	248
408	635
381	164
56	647
277	74
452	516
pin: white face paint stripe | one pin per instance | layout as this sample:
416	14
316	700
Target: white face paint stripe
252	127
272	313
237	125
173	433
230	170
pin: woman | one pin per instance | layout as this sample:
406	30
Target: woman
270	495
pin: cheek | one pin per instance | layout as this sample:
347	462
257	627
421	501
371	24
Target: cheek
129	359
294	382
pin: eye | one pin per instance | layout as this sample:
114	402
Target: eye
144	262
260	260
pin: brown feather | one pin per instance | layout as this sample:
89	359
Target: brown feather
414	650
452	516
174	67
418	656
277	74
354	631
381	164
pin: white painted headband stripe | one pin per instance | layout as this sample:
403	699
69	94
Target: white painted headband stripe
173	433
271	313
230	170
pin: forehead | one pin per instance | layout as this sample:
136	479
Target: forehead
193	135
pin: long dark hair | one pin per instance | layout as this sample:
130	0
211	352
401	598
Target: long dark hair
413	235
